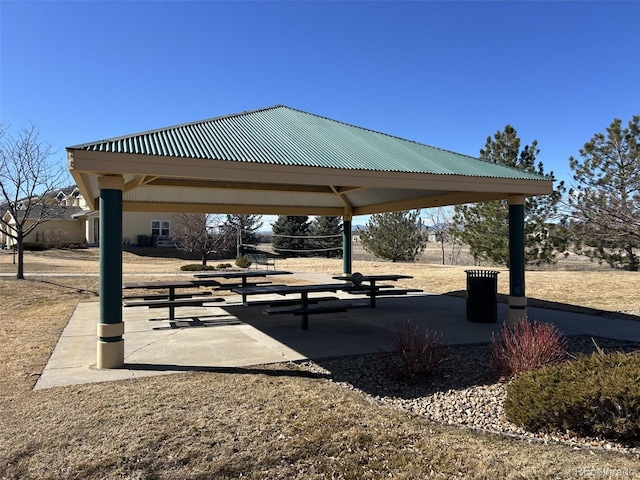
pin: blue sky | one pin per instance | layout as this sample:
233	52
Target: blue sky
447	74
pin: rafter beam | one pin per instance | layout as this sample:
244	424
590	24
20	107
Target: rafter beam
431	201
348	207
266	187
235	209
138	181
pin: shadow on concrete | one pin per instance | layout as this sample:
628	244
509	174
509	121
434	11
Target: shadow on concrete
196	322
244	337
366	331
270	372
562	307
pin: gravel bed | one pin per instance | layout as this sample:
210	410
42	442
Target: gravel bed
463	391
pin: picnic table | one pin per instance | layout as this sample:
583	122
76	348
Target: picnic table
304	307
172	299
243	276
371	289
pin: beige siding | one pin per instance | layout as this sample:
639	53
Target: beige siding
64	231
53	231
139	223
85	228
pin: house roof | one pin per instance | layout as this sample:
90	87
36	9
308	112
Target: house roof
283	160
57	212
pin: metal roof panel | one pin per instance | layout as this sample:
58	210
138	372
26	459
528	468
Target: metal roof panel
285	136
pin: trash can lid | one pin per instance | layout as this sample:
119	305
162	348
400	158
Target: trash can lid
482	273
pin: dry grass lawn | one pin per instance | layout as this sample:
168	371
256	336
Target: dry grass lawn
274	421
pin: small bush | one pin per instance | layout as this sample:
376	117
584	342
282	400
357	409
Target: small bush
415	352
597	395
243	261
223	266
34	246
55	238
195	267
526	346
74	246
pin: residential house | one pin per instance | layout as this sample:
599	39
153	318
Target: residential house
75	223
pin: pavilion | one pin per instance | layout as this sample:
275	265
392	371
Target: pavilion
280	161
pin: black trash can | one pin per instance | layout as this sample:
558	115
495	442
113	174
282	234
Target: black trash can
482	296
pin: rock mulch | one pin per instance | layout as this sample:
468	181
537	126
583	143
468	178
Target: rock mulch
463	391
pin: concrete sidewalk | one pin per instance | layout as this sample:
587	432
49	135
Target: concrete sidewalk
231	335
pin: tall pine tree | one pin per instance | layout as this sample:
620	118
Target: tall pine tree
245	226
331	229
485	226
289	235
395	236
606	201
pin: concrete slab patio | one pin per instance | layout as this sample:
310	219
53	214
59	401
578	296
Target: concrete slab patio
230	335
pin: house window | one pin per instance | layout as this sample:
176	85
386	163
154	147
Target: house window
160	228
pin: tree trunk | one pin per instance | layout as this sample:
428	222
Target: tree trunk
633	259
20	246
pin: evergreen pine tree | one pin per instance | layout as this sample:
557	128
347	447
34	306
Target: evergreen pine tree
485	226
247	226
396	236
288	233
331	228
606	201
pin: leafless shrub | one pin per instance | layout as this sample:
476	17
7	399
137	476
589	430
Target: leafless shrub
414	351
526	346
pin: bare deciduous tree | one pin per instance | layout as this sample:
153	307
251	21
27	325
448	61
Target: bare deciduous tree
29	182
204	234
440	221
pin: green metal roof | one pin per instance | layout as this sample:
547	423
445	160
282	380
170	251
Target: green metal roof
282	135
